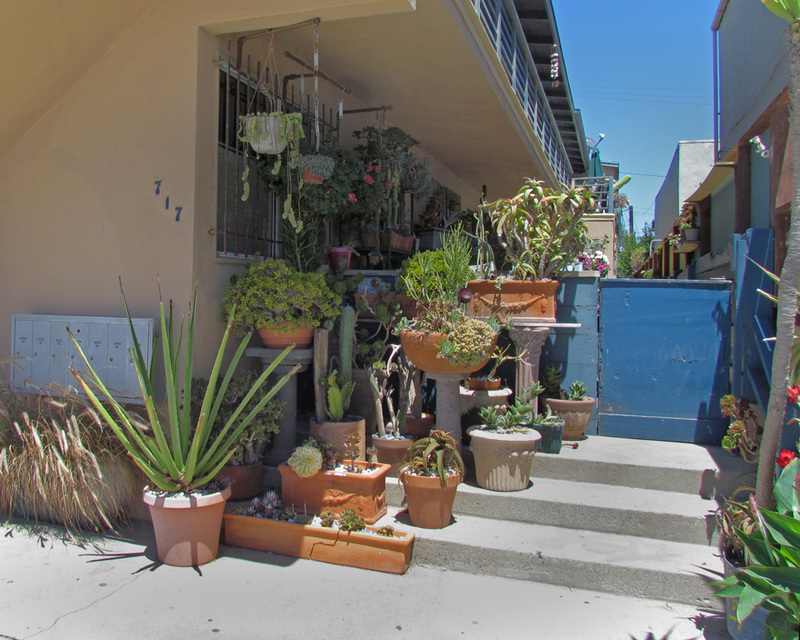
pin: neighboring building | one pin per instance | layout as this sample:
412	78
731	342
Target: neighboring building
112	135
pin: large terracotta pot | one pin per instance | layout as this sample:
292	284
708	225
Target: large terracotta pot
391	554
246	479
334	433
520	299
430	505
576	414
503	460
301	338
392	451
186	526
336	491
423	351
419	426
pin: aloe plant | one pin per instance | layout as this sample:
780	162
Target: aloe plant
434	456
177	453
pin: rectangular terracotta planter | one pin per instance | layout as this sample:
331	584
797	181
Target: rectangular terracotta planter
336	491
352	549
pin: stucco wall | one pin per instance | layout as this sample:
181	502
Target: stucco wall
667	199
722	204
754	68
79	205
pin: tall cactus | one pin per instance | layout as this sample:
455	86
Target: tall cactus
320	372
347	333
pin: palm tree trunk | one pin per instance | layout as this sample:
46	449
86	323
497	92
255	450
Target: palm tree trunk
787	300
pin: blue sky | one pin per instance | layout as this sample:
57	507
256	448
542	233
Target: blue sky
641	73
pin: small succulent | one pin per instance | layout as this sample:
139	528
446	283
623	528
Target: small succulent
349	520
551	381
386	530
434	456
577	391
327	519
515	417
306	460
267	506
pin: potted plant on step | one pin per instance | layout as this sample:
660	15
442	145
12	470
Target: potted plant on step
281	303
573	405
539	231
430	479
245	468
506	441
178	455
744	431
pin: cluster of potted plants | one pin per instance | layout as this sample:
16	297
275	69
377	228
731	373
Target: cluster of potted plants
573	405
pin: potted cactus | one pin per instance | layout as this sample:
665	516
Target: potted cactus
573	405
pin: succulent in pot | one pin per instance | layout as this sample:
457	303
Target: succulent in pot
573	405
178	454
273	296
316	167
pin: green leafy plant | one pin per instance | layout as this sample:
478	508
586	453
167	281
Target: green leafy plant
338	392
349	520
253	441
517	417
744	432
177	453
551	378
540	229
435	456
272	294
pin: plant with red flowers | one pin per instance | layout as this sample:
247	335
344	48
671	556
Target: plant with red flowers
744	432
787	487
784	458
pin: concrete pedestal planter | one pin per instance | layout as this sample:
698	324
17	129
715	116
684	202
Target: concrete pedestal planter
576	414
186	526
353	549
503	460
364	493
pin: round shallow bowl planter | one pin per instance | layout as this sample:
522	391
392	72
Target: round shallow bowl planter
392	451
364	493
430	506
186	526
423	351
246	479
334	433
520	299
576	414
483	384
419	426
268	133
301	338
503	460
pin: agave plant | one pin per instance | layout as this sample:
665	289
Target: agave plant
178	453
434	456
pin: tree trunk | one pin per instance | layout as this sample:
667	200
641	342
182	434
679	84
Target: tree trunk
787	300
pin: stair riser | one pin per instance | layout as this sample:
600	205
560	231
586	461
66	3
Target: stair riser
613	579
499	506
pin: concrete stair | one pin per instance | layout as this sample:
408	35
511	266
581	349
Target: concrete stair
621	516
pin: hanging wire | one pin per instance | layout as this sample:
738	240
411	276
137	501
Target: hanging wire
316	84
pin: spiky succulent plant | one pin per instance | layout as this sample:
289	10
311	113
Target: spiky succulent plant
577	391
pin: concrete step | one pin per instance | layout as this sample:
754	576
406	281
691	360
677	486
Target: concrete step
678	517
645	464
610	563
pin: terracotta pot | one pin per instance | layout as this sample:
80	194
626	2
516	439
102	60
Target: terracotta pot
483	384
423	350
419	427
576	414
246	479
301	338
520	299
311	178
186	527
352	549
430	505
336	491
503	460
334	433
392	451
337	254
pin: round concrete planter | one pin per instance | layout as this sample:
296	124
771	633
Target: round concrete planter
503	460
187	527
576	414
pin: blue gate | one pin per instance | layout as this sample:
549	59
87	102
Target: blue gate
664	359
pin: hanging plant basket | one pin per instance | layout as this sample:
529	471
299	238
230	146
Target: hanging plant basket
316	168
264	133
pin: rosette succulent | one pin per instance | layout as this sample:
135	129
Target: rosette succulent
306	461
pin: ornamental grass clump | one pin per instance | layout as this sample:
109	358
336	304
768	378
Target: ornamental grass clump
60	463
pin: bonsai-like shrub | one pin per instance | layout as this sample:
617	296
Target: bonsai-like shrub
272	294
435	456
253	441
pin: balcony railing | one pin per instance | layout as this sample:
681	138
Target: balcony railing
503	28
603	189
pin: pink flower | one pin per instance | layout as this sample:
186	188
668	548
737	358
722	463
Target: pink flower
352	197
377	169
389	184
369	167
368	179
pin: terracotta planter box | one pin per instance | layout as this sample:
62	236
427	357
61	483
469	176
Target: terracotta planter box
336	491
352	549
520	299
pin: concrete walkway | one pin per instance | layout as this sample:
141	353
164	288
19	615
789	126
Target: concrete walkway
109	589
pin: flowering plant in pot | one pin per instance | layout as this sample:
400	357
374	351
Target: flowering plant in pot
245	467
273	298
430	479
538	232
176	453
504	445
